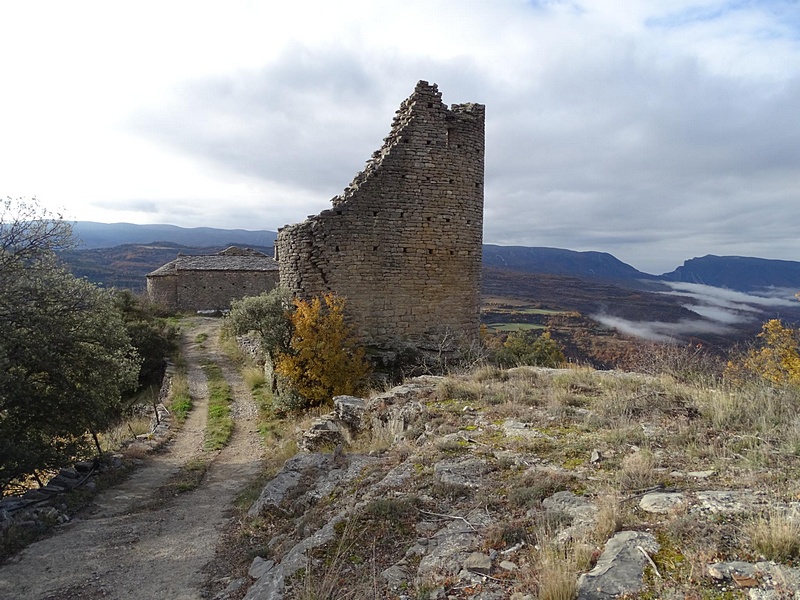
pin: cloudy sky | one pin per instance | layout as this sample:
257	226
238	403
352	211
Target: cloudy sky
653	130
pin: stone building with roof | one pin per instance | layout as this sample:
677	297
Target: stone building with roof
211	282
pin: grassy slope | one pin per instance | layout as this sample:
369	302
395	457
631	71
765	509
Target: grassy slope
648	431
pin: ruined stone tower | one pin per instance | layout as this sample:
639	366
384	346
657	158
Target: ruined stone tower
403	242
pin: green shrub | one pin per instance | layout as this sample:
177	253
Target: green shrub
528	348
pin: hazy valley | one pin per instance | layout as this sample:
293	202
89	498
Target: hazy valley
714	301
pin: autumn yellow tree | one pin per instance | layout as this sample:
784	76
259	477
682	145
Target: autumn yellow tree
324	359
776	359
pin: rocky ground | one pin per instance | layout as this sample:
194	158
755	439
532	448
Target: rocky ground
535	483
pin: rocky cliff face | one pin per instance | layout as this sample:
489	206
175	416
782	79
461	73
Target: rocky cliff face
528	483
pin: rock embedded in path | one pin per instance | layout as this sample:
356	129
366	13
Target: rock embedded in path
763	580
577	507
517	429
620	569
661	502
729	501
700	474
396	577
259	567
452	544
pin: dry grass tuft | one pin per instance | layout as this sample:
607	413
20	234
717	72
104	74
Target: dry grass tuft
608	520
637	471
253	376
124	432
557	580
776	536
554	567
459	389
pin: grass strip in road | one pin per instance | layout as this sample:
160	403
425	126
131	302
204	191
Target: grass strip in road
190	476
181	402
220	423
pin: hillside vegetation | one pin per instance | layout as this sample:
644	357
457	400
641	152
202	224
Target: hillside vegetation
511	483
71	354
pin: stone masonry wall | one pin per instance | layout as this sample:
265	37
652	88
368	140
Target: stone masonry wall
163	290
212	290
208	290
403	242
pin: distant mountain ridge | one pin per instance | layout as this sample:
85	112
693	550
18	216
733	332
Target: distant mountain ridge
106	235
556	261
743	274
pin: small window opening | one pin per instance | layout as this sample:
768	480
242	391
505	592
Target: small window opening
452	252
405	249
428	219
447	219
337	248
338	212
374	248
430	250
374	213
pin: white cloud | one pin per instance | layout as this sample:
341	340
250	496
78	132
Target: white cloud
730	299
654	131
719	310
659	331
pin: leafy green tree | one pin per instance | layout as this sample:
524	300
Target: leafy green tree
65	357
268	315
151	335
528	348
324	359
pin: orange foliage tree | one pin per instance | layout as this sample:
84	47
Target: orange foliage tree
776	359
324	359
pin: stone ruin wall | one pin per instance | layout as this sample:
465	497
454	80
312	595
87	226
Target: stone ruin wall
193	290
403	242
215	290
163	290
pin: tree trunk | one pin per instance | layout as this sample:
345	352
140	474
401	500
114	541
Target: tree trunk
96	443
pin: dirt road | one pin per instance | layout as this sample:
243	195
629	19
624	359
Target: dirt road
120	547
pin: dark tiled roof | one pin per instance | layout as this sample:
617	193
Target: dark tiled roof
216	262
